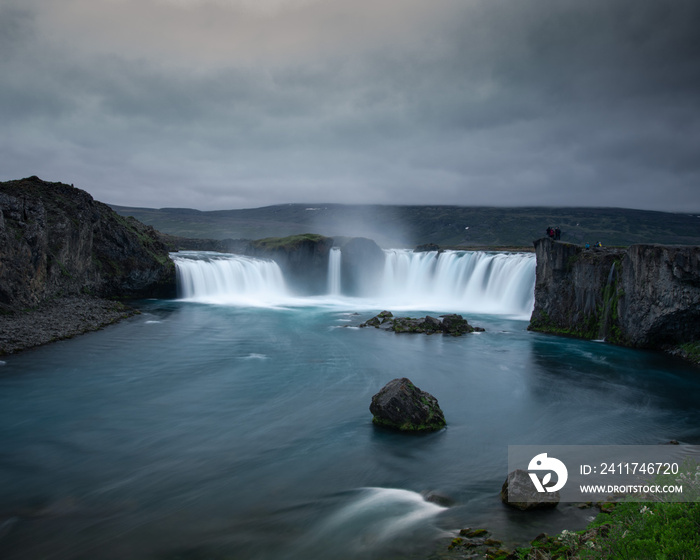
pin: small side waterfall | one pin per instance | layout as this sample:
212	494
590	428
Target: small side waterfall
334	262
223	278
609	300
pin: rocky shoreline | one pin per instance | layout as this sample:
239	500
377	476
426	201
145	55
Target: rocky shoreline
58	319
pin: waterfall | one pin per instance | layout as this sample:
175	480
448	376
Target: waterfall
334	261
451	281
228	279
476	281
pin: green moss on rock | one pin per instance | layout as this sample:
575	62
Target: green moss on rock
289	243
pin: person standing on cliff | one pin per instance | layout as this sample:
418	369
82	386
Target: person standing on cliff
557	233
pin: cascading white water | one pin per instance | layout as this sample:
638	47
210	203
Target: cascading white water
452	281
470	280
228	279
334	261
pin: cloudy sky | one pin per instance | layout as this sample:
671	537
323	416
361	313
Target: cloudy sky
217	104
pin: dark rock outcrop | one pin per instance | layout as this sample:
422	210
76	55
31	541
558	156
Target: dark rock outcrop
55	240
302	258
645	296
427	247
454	325
362	265
400	405
518	492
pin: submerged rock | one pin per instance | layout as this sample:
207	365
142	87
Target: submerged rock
402	406
518	486
438	498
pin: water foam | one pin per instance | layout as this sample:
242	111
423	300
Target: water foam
376	516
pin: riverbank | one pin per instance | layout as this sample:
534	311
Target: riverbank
58	319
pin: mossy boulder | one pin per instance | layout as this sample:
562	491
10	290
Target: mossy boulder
402	406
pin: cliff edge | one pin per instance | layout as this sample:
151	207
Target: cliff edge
55	240
57	243
646	296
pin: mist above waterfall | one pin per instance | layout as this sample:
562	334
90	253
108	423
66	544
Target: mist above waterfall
452	281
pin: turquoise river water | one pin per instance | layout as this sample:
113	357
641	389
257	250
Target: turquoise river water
226	427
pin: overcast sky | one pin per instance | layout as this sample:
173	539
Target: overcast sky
216	104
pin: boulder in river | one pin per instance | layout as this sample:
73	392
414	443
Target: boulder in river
402	406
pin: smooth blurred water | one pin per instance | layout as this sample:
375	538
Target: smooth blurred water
205	431
455	281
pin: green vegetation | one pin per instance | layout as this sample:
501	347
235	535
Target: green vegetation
630	531
588	329
660	530
429	426
603	323
691	351
148	242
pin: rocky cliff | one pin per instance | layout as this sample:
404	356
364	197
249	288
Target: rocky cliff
304	260
362	265
55	240
646	296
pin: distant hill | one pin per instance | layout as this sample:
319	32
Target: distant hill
393	226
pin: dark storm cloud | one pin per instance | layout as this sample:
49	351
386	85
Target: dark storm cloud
225	103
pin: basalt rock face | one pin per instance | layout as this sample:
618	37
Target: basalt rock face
302	258
55	240
362	265
644	296
304	261
661	303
